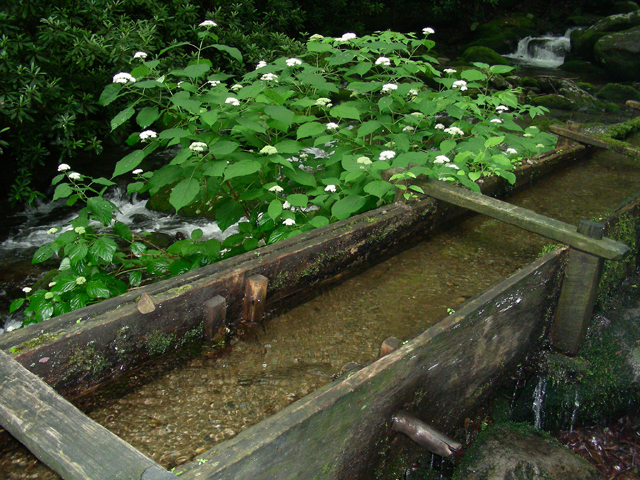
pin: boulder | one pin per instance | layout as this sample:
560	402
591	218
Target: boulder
568	96
582	68
583	41
618	54
503	34
515	451
618	92
625	7
484	55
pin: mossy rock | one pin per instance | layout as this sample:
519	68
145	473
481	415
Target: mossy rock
581	67
503	34
583	20
530	82
559	102
506	42
625	7
618	92
484	55
584	41
617	53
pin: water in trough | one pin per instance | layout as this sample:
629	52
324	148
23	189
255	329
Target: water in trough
208	400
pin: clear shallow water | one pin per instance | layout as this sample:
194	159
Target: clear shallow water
208	400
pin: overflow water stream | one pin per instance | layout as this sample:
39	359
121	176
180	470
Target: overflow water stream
208	400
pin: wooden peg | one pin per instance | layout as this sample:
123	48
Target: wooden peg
255	294
214	319
145	304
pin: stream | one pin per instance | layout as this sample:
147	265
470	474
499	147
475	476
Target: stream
210	399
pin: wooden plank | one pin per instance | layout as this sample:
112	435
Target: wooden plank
61	436
578	296
525	219
564	142
633	104
214	320
618	147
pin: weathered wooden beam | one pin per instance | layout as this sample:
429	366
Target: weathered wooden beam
633	104
578	295
618	147
564	142
525	219
61	436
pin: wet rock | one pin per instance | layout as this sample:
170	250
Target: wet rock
516	452
581	67
618	54
485	55
503	34
618	92
583	41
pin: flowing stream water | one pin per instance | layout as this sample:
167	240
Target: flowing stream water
209	399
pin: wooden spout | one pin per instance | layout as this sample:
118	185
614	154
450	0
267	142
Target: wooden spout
424	435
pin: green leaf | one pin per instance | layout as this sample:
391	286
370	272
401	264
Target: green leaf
109	94
242	168
319	221
347	206
342	111
275	209
378	188
103	181
122	117
63	190
298	200
319	47
223	148
215	169
97	289
209	117
500	69
196	234
280	113
341	57
66	238
288	146
78	252
101	209
472	75
233	52
447	145
123	231
195	71
301	177
147	116
129	162
310	129
182	156
228	214
250	91
104	248
16	304
360	68
493	141
368	127
191	106
174	133
385	102
138	248
135	278
316	81
184	193
251	125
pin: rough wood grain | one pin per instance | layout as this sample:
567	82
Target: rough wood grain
60	435
214	320
526	219
618	147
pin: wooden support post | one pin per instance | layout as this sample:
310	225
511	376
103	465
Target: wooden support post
214	320
578	295
255	294
61	436
564	142
633	104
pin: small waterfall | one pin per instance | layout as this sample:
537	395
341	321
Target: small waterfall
538	399
576	407
547	51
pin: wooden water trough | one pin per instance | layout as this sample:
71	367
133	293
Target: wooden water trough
328	433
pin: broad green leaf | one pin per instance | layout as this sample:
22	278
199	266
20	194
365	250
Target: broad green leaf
122	117
184	193
109	94
402	142
360	68
301	177
43	253
347	206
215	169
195	71
378	188
385	103
191	106
129	162
251	125
275	209
319	221
174	133
103	181
447	145
316	81
181	156
493	141
233	52
341	57
135	278
77	252
123	231
223	148
97	289
228	214
368	127
147	116
16	304
472	75
140	71
138	248
209	117
63	190
101	209
310	129
104	248
250	91
501	69
319	47
65	238
298	200
288	146
196	234
342	111
242	168
280	113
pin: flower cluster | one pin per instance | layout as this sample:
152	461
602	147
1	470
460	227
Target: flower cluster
276	189
453	131
261	64
292	62
232	101
383	61
63	167
141	55
269	77
387	155
330	188
268	150
324	102
198	147
461	84
147	135
449	70
332	126
346	37
208	24
441	159
428	31
123	77
389	87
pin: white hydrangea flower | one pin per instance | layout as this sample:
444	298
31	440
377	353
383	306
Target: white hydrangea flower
332	126
214	83
408	128
208	24
268	150
453	131
63	167
461	84
80	230
389	87
276	189
316	37
441	159
137	171
52	284
75	176
364	161
528	135
495	120
324	102
141	55
413	92
286	205
123	77
428	31
346	37
289	221
539	145
292	62
261	64
51	231
48	296
533	128
387	155
417	114
269	77
233	101
439	126
81	281
452	165
383	61
502	108
450	70
511	151
27	289
198	147
236	87
330	188
147	135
